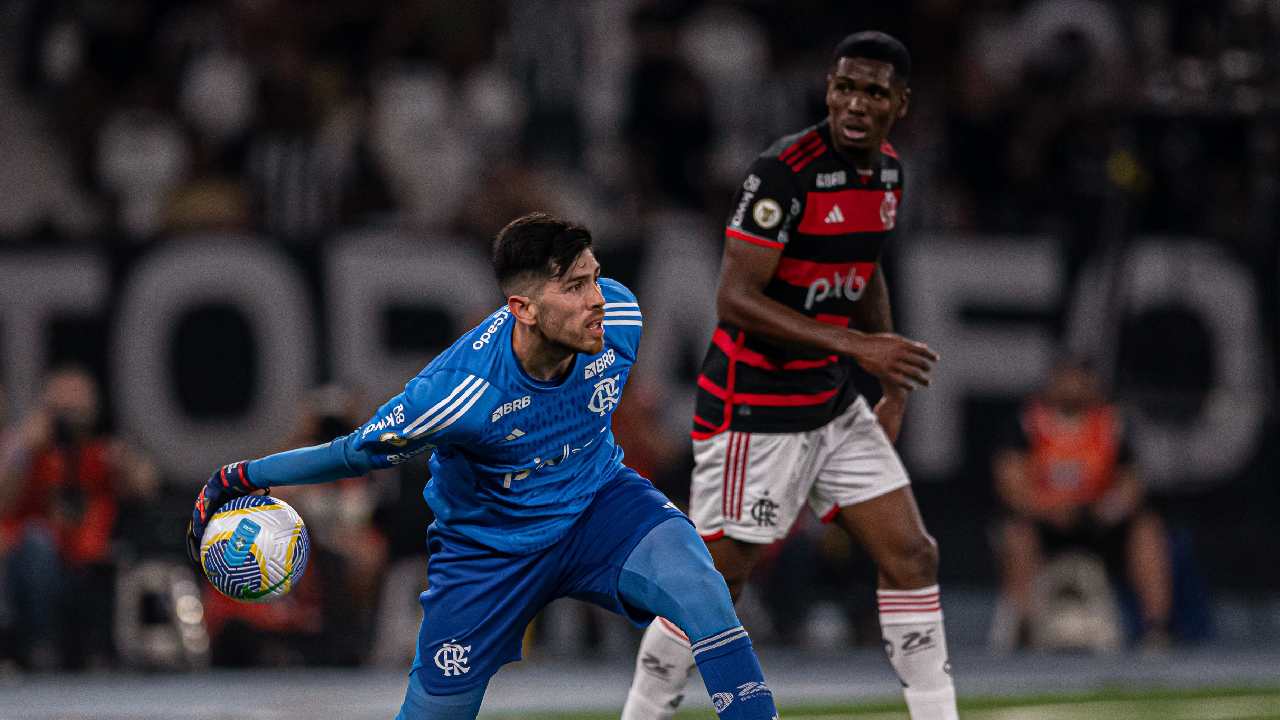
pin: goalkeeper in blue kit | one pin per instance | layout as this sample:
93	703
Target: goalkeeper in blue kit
531	496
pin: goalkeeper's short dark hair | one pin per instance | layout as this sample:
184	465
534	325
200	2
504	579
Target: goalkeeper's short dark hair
875	45
536	247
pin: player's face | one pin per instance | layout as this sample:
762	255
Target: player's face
863	101
571	307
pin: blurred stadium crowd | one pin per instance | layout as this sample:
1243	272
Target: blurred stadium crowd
130	123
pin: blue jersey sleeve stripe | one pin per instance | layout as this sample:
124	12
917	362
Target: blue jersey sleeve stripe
428	414
622	313
623	322
469	398
474	397
610	305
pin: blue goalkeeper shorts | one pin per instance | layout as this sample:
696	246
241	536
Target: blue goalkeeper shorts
478	601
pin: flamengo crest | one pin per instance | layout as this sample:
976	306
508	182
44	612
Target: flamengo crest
452	659
605	397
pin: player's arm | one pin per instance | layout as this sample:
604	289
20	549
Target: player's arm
746	270
1127	492
425	415
872	314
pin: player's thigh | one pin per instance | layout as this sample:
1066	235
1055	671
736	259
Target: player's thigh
751	486
475	611
856	463
614	533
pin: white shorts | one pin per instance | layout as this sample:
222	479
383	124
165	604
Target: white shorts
750	486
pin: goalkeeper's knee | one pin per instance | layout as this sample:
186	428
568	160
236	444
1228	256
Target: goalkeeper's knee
671	574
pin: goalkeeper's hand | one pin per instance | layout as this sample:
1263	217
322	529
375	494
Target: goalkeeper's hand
226	483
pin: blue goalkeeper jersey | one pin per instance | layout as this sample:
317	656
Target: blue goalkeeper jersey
514	460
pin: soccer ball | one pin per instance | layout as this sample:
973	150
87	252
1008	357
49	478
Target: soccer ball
255	548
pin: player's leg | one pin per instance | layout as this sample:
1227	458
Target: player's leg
634	553
664	660
863	487
670	573
891	530
734	474
1020	561
1150	573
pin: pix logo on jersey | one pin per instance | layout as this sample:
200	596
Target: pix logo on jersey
848	285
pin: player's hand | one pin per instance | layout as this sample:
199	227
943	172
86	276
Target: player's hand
894	360
890	409
226	483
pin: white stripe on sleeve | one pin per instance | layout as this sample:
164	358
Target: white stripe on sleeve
474	397
409	428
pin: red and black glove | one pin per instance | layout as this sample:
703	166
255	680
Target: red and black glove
226	483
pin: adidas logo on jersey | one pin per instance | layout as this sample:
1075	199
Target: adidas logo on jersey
835	216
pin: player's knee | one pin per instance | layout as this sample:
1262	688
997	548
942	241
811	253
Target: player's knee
699	599
670	573
913	563
705	606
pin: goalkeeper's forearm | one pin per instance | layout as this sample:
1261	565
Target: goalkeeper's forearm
309	465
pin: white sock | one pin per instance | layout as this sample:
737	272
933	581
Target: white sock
914	640
663	665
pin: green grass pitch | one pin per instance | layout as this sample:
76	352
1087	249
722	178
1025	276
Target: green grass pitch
1199	704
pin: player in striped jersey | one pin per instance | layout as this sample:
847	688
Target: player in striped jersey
531	497
778	423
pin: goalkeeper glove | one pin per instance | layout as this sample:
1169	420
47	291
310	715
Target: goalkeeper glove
226	483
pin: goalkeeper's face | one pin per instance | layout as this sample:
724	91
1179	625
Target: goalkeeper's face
570	308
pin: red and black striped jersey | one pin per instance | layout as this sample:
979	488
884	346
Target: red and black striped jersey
831	222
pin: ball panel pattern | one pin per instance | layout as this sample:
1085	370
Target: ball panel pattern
255	548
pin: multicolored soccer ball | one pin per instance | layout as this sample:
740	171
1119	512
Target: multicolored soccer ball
255	548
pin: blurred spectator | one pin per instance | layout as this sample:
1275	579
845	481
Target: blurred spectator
61	483
1068	480
300	152
668	117
142	155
